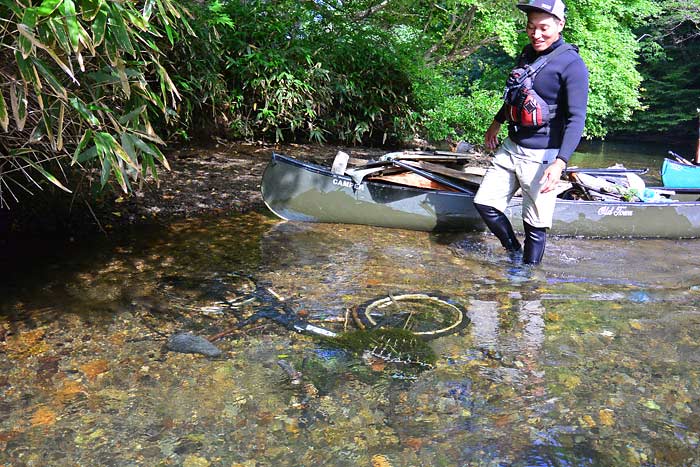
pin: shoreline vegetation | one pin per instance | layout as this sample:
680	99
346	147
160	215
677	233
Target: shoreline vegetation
87	110
216	178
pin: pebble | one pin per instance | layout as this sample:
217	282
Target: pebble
189	343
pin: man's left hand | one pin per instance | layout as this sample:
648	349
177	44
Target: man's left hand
551	176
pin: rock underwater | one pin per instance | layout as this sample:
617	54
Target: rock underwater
189	343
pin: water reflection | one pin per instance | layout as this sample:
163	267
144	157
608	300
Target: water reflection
593	361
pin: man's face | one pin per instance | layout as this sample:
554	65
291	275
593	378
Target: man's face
543	29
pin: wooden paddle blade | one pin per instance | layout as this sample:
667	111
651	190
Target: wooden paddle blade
412	179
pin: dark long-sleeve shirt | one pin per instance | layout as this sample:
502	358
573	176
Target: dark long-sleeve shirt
564	82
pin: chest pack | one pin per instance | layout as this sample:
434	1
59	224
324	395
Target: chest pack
524	107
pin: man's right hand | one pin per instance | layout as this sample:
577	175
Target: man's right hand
491	137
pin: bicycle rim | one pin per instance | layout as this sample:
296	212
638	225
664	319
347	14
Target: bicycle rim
426	315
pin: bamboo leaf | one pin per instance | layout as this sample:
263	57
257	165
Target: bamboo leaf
149	137
83	110
48	126
12	6
18	101
148	164
59	131
59	33
87	155
43	172
173	11
81	63
38	133
119	31
128	146
147	10
39	100
149	149
108	144
4	115
112	49
27	71
169	32
87	137
165	79
123	78
106	168
20	57
72	27
119	151
49	77
99	27
138	21
124	119
118	172
161	12
86	41
26	28
47	7
90	8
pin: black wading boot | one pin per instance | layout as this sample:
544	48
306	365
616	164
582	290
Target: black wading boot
499	225
535	241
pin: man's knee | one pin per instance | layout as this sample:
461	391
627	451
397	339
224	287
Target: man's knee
487	211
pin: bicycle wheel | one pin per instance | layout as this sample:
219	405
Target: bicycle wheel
426	315
211	295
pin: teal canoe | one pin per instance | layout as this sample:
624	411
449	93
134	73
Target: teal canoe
680	175
300	191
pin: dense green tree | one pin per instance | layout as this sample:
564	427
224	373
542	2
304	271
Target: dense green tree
604	32
671	70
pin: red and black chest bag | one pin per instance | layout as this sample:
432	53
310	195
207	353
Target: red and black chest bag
524	107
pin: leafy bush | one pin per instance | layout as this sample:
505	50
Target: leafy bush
453	112
79	86
290	78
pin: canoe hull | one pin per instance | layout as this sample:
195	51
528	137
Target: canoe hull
306	192
677	175
299	191
593	219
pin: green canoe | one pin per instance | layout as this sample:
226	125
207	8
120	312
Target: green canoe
300	191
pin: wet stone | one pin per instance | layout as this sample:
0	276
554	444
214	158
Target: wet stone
189	343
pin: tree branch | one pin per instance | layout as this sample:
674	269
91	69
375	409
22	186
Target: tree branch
373	10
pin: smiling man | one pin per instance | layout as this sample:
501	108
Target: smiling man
545	105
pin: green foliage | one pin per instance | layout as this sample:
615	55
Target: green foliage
453	115
196	67
290	76
671	87
83	81
91	85
604	32
460	98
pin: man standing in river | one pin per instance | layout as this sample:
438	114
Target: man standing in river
545	106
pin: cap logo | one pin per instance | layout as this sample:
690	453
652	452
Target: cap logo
553	7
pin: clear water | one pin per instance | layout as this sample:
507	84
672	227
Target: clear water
590	360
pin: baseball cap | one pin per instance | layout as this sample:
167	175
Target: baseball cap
553	7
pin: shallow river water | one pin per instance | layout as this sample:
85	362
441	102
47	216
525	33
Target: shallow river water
590	360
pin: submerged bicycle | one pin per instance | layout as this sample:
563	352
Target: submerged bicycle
393	327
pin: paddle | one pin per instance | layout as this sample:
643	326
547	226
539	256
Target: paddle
433	177
680	159
605	171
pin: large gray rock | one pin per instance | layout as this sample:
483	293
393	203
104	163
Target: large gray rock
189	343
